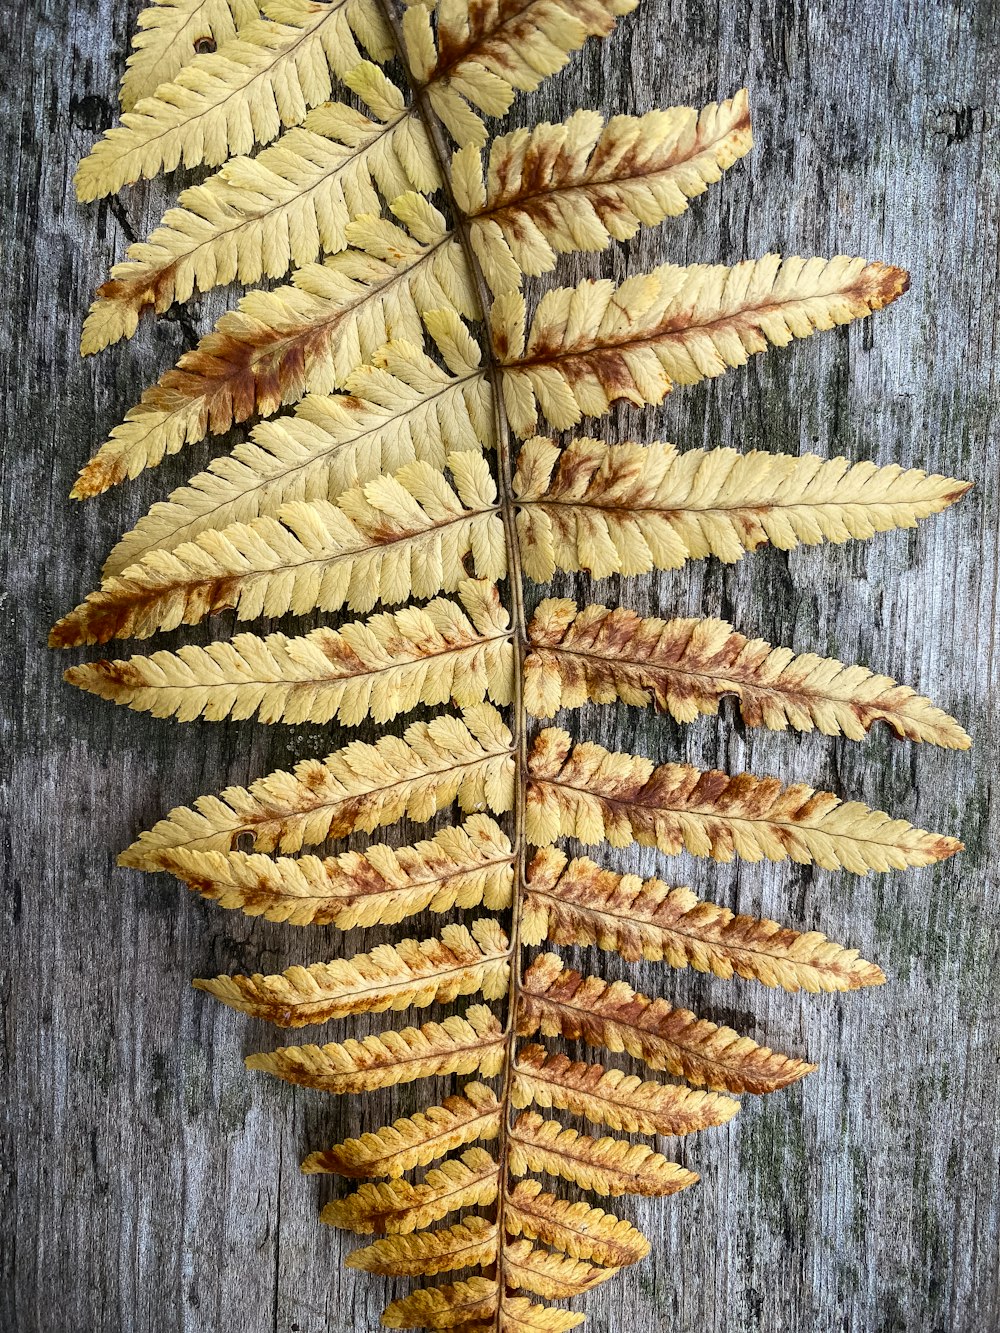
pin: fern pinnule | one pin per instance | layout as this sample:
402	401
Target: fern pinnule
471	1243
576	902
577	185
468	1117
591	794
399	1207
573	1227
612	1098
461	866
557	1001
606	1166
361	787
633	508
471	1043
686	668
590	345
554	1277
411	974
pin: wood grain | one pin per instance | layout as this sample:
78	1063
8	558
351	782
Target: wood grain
149	1182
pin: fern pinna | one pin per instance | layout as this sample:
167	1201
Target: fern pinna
413	472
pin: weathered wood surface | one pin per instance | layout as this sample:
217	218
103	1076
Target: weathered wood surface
150	1183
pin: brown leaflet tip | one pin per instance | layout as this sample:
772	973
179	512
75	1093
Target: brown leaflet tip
98	476
892	283
870	975
63	634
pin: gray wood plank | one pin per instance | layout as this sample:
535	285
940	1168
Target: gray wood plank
149	1182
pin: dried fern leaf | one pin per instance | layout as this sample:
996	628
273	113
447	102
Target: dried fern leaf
169	34
458	1045
459	867
397	1208
554	1277
577	185
475	1304
631	508
573	1228
224	102
686	667
593	344
397	537
411	973
471	1243
582	904
603	1166
309	336
468	1117
481	53
358	788
558	1001
376	668
418	412
257	216
610	1097
594	795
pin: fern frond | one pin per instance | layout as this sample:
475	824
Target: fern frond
471	1243
412	973
400	536
478	1305
577	185
168	36
312	335
632	508
582	904
461	866
397	1207
609	1097
468	1117
376	668
573	1228
558	1001
360	787
257	216
473	1043
593	344
224	102
481	53
686	667
413	412
606	1166
593	795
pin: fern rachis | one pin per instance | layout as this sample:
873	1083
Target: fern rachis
427	471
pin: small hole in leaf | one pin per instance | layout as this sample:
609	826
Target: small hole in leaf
205	44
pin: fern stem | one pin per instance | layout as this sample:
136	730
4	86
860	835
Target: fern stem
515	579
